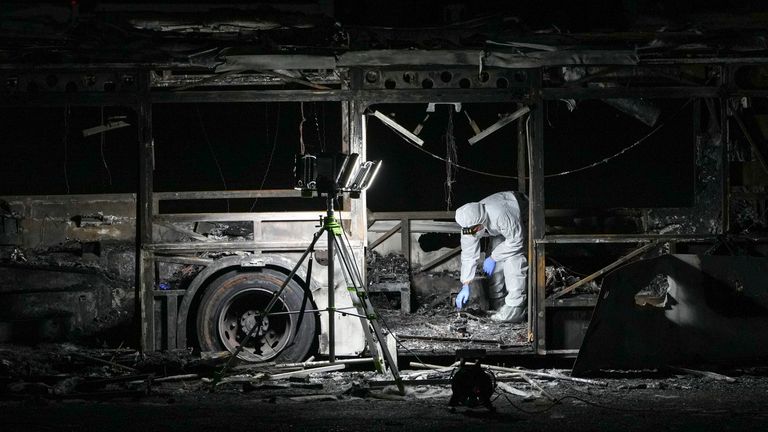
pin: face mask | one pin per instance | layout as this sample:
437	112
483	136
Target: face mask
471	230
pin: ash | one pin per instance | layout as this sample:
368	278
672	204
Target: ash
389	268
472	327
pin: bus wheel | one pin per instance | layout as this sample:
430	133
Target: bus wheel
234	302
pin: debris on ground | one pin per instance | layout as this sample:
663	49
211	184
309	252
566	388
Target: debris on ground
443	329
66	372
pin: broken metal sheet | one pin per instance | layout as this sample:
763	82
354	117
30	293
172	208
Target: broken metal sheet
487	58
275	62
213	26
397	127
526	45
643	110
507	119
410	58
714	312
564	57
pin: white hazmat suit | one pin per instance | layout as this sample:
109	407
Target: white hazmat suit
502	219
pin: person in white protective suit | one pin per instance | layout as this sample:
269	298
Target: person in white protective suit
500	217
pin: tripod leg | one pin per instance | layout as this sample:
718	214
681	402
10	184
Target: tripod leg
365	308
307	294
357	302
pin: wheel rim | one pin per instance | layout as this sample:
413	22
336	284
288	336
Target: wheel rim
238	316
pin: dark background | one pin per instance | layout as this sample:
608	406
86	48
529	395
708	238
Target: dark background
659	172
573	15
252	146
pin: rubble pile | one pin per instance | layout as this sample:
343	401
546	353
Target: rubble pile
67	371
387	268
112	259
226	231
559	277
441	329
178	276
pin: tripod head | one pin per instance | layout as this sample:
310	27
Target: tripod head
333	174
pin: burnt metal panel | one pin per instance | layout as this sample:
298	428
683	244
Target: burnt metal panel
240	96
713	311
446	78
705	216
145	210
536	230
566	327
666	92
56	303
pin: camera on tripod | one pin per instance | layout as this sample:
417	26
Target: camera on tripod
333	173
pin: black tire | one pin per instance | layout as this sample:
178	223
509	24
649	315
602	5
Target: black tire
229	308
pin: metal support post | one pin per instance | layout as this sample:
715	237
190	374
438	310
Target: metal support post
331	284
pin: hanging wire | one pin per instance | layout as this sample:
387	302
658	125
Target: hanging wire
563	173
301	129
320	139
461	167
274	146
558	263
451	156
66	138
625	149
322	115
213	153
104	159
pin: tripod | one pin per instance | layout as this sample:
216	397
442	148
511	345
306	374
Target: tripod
339	245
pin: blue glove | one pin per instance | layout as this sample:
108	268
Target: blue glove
463	297
488	265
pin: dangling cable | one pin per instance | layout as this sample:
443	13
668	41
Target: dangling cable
322	114
274	146
301	129
451	158
320	139
562	173
213	153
